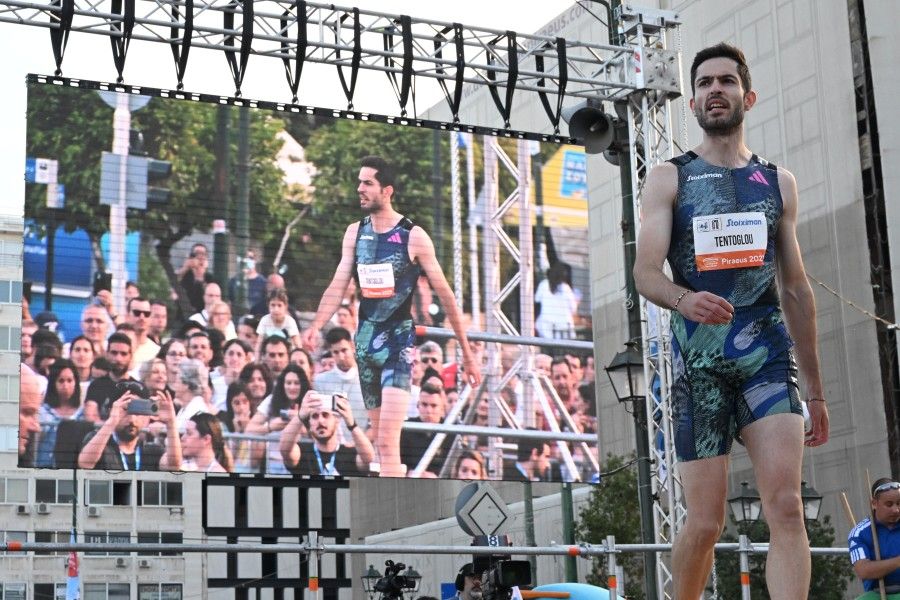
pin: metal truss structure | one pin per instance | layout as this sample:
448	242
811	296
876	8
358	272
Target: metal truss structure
643	75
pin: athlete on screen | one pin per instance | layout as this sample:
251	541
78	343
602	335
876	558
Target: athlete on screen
384	253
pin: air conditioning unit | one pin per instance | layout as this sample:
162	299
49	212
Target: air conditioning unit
122	562
145	563
43	508
93	511
22	509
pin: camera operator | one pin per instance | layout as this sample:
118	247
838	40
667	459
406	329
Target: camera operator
117	445
325	455
468	583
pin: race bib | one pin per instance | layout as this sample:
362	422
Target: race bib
730	241
376	281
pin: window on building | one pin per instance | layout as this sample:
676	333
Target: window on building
107	591
50	537
13	536
9	388
157	537
10	292
107	493
12	591
10	338
49	591
54	491
9	438
107	537
12	248
159	591
13	491
160	493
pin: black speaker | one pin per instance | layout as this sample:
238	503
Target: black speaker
589	123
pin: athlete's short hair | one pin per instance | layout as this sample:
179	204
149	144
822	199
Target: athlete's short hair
384	172
723	50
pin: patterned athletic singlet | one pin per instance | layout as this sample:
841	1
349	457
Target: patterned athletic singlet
724	228
385	278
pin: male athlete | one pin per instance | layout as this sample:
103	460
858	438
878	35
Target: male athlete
385	253
725	219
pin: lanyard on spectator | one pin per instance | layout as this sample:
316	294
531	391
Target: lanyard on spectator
330	470
137	455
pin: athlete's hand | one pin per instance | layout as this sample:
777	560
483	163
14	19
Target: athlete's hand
310	339
818	415
706	308
471	369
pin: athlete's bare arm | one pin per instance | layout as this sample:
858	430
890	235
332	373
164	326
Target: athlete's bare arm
799	307
334	293
421	249
660	191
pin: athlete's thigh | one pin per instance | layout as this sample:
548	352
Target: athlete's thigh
705	486
775	446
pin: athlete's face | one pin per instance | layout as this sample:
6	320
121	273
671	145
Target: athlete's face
720	100
372	197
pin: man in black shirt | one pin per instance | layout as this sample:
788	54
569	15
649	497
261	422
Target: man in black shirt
117	445
432	406
532	462
103	391
325	454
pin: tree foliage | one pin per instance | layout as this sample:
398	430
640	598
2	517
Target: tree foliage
613	510
830	574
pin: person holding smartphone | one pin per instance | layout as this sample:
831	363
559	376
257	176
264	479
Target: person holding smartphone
325	455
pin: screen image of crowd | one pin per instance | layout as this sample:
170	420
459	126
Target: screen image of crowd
262	362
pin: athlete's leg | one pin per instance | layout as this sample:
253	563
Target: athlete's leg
394	403
775	445
704	483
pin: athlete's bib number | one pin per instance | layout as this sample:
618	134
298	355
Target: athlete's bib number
730	241
376	281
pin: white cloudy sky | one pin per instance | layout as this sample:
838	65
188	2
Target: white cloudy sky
25	49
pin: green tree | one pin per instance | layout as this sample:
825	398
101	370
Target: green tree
830	574
613	510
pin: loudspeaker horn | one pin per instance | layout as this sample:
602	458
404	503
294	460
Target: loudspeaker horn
589	123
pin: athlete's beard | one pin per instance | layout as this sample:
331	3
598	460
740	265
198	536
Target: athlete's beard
716	128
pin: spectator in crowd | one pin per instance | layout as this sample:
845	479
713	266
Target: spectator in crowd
153	374
94	326
27	349
258	379
432	408
542	364
345	317
192	390
29	407
246	330
189	328
200	348
469	465
44	357
588	375
878	559
344	377
138	315
290	387
117	445
325	362
194	276
273	282
236	417
558	304
325	455
104	299
212	293
279	322
159	321
302	358
103	391
586	415
173	352
220	320
81	353
275	354
564	382
532	461
576	365
99	368
203	445
237	354
131	291
62	402
254	284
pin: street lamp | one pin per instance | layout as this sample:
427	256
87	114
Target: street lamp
812	502
416	579
746	507
626	373
369	579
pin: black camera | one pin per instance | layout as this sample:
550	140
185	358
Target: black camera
142	405
393	583
499	574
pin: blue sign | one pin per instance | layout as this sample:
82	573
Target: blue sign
574	175
30	170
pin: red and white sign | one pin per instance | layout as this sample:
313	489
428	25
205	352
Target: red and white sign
730	241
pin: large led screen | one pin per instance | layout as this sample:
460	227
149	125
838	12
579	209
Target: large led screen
255	288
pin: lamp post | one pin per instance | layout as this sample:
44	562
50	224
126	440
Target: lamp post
746	506
413	577
626	373
369	579
812	501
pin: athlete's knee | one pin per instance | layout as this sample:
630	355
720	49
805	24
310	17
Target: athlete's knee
705	529
783	508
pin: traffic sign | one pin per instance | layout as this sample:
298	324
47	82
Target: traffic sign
56	195
481	511
111	166
41	170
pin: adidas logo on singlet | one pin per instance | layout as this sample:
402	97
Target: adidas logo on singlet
395	238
